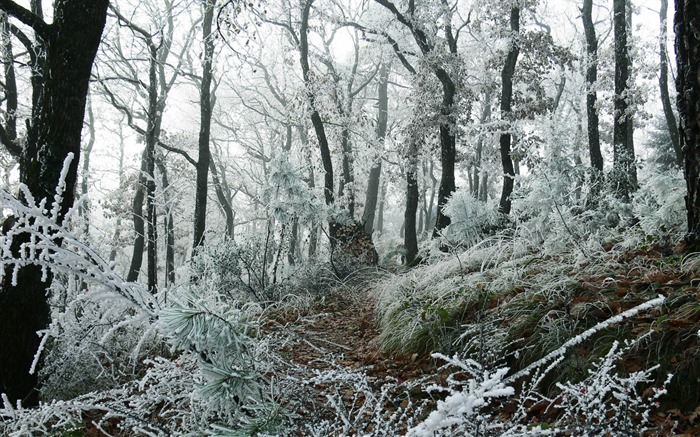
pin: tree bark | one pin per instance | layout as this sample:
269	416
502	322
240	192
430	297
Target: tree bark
376	170
139	222
70	43
624	177
593	124
506	100
687	23
315	116
200	203
663	86
410	234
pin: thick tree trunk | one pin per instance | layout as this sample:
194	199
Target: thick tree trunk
506	100
663	86
448	150
594	152
200	203
687	23
70	43
624	177
152	133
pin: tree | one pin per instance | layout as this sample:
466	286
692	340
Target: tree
54	132
204	158
624	175
663	85
375	172
447	128
596	156
687	21
157	47
506	101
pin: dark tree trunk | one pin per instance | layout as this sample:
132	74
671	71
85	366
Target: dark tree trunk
624	177
506	100
687	23
9	131
591	101
315	116
448	151
200	203
663	86
70	43
376	170
139	222
410	235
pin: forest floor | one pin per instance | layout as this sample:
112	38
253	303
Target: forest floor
341	332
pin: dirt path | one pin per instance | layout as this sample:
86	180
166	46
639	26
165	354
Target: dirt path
341	334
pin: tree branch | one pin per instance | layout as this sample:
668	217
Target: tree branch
27	17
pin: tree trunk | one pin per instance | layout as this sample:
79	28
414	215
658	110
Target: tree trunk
485	116
315	116
221	189
139	222
687	23
380	211
376	170
200	203
663	86
506	100
167	224
84	182
624	177
70	44
410	235
591	102
152	131
448	151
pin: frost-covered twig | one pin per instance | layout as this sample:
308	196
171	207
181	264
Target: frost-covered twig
587	334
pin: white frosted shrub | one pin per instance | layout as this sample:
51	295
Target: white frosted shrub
470	218
659	203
